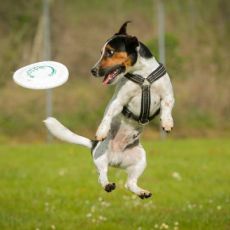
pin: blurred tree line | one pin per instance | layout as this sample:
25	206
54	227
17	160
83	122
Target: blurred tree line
197	57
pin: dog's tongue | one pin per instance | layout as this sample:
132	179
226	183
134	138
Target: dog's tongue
108	78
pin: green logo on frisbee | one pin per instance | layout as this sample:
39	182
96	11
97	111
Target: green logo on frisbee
31	71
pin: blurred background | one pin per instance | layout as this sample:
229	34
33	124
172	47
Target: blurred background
197	37
55	186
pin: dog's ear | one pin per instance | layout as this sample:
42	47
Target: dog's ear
132	47
131	42
122	30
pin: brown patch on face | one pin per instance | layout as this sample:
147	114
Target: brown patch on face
118	58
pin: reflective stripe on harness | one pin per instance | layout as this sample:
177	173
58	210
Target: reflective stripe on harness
145	84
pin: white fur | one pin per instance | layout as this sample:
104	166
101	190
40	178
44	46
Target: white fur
61	132
129	94
118	136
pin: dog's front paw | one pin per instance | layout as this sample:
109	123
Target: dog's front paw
167	124
102	133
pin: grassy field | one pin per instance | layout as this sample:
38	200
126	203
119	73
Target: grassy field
55	187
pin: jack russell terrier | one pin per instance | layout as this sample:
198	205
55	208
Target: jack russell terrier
143	89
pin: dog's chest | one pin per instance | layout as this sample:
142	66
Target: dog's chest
135	102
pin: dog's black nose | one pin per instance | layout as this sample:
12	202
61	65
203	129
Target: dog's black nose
94	71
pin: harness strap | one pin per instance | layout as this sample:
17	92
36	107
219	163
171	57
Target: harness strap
157	73
135	78
127	113
145	104
145	84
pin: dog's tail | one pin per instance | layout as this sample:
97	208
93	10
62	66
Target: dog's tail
61	132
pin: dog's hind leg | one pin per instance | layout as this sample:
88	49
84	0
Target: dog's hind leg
134	172
102	168
100	158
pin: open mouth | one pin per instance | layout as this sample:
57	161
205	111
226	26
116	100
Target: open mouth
111	75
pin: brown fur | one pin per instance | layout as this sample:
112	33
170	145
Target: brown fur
118	58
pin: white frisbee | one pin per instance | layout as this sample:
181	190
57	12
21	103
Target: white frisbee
42	75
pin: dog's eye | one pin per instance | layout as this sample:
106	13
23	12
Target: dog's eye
109	53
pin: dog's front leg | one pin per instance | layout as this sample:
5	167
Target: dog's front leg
167	102
114	109
166	113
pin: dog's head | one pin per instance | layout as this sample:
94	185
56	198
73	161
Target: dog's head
118	55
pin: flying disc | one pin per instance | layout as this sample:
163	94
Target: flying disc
42	75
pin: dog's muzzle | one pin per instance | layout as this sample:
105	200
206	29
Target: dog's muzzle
109	74
98	72
94	71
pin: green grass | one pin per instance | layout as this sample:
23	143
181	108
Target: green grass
55	187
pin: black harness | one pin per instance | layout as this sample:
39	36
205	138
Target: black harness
145	84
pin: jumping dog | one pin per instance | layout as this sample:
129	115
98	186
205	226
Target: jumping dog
143	89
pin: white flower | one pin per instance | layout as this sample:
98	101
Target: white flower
88	215
105	204
191	206
53	226
102	218
62	172
164	226
176	176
